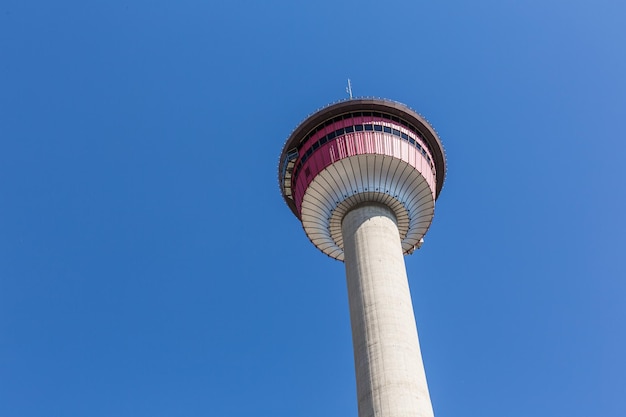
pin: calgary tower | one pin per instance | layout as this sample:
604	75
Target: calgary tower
362	175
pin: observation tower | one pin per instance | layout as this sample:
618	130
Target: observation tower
363	175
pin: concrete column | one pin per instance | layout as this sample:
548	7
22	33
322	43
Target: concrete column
390	375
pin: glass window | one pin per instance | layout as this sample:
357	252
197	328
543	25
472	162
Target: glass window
387	129
412	141
315	145
358	128
395	119
378	128
404	136
369	127
367	113
349	129
332	135
323	140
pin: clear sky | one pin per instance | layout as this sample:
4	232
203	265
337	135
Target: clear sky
149	267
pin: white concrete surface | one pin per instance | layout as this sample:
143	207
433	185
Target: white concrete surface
390	375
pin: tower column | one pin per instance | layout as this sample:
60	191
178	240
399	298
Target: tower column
389	372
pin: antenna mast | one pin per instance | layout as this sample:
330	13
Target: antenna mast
349	88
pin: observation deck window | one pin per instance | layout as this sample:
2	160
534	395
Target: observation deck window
353	126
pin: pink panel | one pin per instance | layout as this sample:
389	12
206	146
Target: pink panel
359	143
388	145
341	146
312	165
404	150
325	158
350	145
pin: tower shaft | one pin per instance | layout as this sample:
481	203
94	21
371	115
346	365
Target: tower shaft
390	376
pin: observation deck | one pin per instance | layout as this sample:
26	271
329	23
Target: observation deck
359	151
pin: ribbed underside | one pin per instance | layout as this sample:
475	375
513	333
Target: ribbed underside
366	178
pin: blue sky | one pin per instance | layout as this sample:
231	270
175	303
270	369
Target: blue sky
148	266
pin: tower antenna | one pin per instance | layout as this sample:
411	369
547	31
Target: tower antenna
349	88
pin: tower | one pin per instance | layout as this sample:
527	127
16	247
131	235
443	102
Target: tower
363	175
